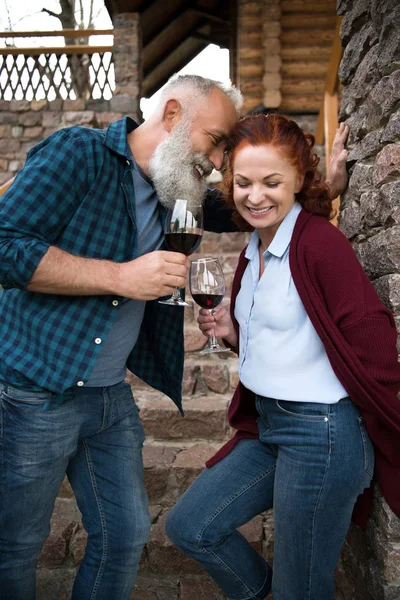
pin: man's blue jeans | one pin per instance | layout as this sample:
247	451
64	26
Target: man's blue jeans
310	463
96	438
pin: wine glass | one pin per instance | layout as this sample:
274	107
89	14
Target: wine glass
183	230
207	286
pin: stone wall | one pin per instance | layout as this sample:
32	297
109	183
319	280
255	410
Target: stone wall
370	218
23	124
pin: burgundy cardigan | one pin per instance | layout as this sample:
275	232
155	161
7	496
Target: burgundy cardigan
359	336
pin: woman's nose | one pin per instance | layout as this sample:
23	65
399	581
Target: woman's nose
256	196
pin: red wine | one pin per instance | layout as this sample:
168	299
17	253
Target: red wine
208	300
186	243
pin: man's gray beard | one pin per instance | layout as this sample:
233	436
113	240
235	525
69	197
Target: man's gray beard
171	168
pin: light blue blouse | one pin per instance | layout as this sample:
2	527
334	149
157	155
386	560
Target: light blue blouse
281	355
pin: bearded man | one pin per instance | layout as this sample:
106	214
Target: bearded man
82	266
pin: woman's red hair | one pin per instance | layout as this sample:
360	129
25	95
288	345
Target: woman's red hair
291	142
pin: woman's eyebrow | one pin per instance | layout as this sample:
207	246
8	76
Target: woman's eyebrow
266	177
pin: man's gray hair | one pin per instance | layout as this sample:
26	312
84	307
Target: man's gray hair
193	86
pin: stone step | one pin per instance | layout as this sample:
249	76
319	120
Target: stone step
167	587
165	573
161	557
205	416
169	469
203	375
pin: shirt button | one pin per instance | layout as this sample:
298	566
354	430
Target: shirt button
80	383
115	302
128	162
97	341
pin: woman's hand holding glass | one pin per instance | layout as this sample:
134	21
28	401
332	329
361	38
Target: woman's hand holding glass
219	322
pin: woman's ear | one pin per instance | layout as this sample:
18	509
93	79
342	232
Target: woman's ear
172	114
299	183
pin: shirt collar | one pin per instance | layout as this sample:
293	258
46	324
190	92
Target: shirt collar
116	135
282	237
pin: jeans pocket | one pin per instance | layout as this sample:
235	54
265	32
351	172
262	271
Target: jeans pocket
310	411
368	448
17	396
263	423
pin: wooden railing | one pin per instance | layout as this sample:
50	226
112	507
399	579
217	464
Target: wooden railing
70	71
329	111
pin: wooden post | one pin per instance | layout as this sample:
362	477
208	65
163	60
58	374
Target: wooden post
328	114
331	109
331	80
5	186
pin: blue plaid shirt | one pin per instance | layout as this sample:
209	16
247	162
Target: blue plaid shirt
76	192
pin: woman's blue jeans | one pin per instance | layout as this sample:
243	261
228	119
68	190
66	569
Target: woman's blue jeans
96	438
310	463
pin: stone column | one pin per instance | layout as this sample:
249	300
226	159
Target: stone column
127	64
370	218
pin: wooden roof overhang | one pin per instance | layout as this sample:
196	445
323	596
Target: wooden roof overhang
175	31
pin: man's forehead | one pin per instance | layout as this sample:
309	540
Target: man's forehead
216	122
222	133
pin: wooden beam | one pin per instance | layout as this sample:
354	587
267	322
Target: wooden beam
309	103
334	61
304	68
308	21
331	80
202	37
299	37
55	50
302	87
211	17
59	33
300	53
233	46
155	78
320	128
309	6
210	39
331	111
158	16
174	34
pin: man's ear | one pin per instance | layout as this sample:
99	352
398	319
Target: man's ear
172	114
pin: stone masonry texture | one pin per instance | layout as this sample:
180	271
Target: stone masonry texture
369	568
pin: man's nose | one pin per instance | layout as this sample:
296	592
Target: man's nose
217	157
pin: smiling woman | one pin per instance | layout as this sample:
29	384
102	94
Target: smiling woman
272	164
317	355
265	184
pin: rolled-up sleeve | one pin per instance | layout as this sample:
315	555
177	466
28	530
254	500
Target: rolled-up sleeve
39	204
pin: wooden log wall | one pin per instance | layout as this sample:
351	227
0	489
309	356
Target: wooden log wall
307	30
250	52
283	52
272	81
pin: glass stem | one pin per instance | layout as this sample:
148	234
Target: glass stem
213	343
176	296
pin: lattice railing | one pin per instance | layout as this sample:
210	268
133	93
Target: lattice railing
67	72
